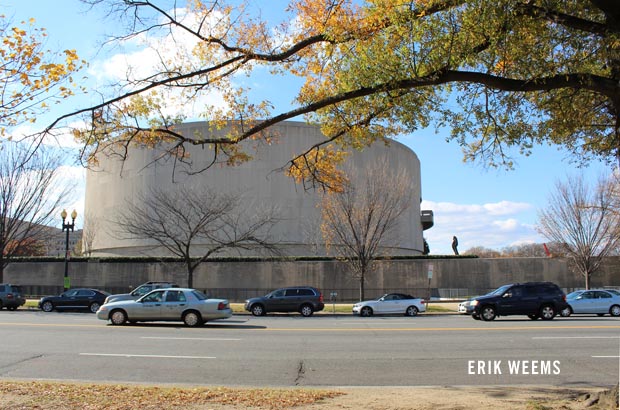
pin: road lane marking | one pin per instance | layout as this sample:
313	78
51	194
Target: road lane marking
351	329
576	337
605	357
191	338
150	356
438	329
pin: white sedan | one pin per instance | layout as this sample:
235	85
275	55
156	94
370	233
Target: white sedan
174	304
391	303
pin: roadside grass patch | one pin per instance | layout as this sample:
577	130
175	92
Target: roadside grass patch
345	308
68	396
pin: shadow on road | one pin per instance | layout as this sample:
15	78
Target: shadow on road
230	324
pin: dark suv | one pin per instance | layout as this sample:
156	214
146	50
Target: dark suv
303	299
140	291
535	299
11	296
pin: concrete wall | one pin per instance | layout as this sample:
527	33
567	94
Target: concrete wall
453	277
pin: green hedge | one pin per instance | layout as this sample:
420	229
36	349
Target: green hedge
143	259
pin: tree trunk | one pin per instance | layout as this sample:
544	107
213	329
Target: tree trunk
190	275
2	265
362	290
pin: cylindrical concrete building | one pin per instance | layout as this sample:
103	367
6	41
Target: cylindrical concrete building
114	183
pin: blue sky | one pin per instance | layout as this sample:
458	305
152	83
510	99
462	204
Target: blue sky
493	208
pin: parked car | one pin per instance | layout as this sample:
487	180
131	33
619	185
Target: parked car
535	299
466	306
391	303
11	296
303	299
172	304
600	302
79	298
141	291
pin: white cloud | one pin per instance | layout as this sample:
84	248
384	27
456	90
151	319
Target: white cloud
75	177
479	225
145	56
507	225
507	208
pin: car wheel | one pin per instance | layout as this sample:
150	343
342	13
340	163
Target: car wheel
487	313
1	305
366	311
614	310
192	319
411	311
11	308
533	317
118	317
47	306
94	307
258	310
566	312
475	317
306	310
547	312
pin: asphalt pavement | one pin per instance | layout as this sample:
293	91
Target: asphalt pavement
323	350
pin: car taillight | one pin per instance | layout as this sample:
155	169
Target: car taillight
9	296
222	306
564	298
422	301
320	297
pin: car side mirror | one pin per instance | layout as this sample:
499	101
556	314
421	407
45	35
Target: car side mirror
579	297
507	295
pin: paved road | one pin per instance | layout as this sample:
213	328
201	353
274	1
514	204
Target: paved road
317	351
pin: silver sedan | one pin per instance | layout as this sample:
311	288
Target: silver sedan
596	301
175	304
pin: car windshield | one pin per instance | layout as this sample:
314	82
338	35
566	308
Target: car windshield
573	295
499	290
613	292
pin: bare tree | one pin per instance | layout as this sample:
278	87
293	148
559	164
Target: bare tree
584	220
362	218
197	224
482	252
89	233
30	195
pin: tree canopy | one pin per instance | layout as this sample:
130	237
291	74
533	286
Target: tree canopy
502	75
31	76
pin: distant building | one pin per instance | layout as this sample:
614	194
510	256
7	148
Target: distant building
53	240
56	242
113	182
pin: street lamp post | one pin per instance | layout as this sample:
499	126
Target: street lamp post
67	227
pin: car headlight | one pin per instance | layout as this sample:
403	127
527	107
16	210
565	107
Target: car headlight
474	303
